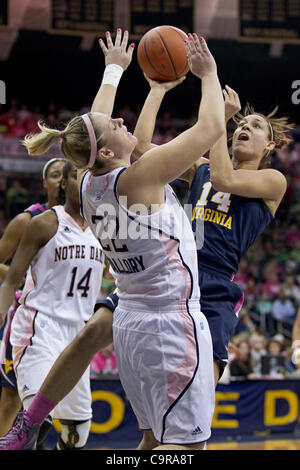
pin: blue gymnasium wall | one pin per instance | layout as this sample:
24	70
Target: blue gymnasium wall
242	409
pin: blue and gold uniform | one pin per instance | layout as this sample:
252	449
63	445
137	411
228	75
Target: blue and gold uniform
225	226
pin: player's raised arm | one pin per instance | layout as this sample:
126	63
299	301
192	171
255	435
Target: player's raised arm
145	125
253	140
167	162
117	59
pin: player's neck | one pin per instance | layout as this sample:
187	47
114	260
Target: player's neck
74	212
245	165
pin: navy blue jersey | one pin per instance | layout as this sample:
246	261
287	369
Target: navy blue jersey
231	224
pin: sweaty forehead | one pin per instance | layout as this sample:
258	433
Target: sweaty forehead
254	118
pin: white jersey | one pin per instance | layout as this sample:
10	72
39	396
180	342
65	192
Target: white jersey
152	257
66	274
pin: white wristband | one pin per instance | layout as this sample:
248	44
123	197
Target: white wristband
112	75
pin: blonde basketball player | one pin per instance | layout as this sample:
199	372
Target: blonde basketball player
66	264
162	340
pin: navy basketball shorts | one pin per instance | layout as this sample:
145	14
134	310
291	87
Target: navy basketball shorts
221	301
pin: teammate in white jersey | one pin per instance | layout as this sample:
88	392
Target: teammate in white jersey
162	340
60	292
10	402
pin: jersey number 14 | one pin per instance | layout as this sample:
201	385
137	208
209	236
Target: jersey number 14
83	284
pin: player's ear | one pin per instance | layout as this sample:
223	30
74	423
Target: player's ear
271	145
105	153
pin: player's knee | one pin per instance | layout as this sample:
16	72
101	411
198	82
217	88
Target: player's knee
96	334
87	338
74	434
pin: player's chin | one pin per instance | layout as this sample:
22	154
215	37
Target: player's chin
133	139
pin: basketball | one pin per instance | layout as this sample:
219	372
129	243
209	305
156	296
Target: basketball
162	55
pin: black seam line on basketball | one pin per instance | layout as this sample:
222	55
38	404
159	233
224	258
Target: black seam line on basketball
170	57
190	382
80	194
30	341
186	64
154	68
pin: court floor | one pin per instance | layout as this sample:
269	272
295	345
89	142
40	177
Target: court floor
282	443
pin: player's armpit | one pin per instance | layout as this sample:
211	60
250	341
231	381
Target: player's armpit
189	175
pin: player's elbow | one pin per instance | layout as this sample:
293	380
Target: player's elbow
218	128
212	130
219	182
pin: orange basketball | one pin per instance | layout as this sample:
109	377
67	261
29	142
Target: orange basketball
161	53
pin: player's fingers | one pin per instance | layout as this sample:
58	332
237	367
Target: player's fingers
130	50
196	43
118	37
204	46
109	40
103	46
230	91
233	94
180	80
191	44
187	47
125	39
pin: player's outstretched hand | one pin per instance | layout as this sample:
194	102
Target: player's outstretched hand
232	102
117	53
200	60
164	86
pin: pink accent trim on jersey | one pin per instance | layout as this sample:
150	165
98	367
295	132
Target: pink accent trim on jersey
67	217
180	377
26	338
6	331
239	305
29	285
171	249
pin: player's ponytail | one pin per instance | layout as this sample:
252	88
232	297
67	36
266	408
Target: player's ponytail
74	142
37	144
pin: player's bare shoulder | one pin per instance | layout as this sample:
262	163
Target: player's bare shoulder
43	226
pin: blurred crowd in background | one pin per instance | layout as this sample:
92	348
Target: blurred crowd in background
269	273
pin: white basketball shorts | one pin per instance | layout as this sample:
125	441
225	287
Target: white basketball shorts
37	341
165	362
